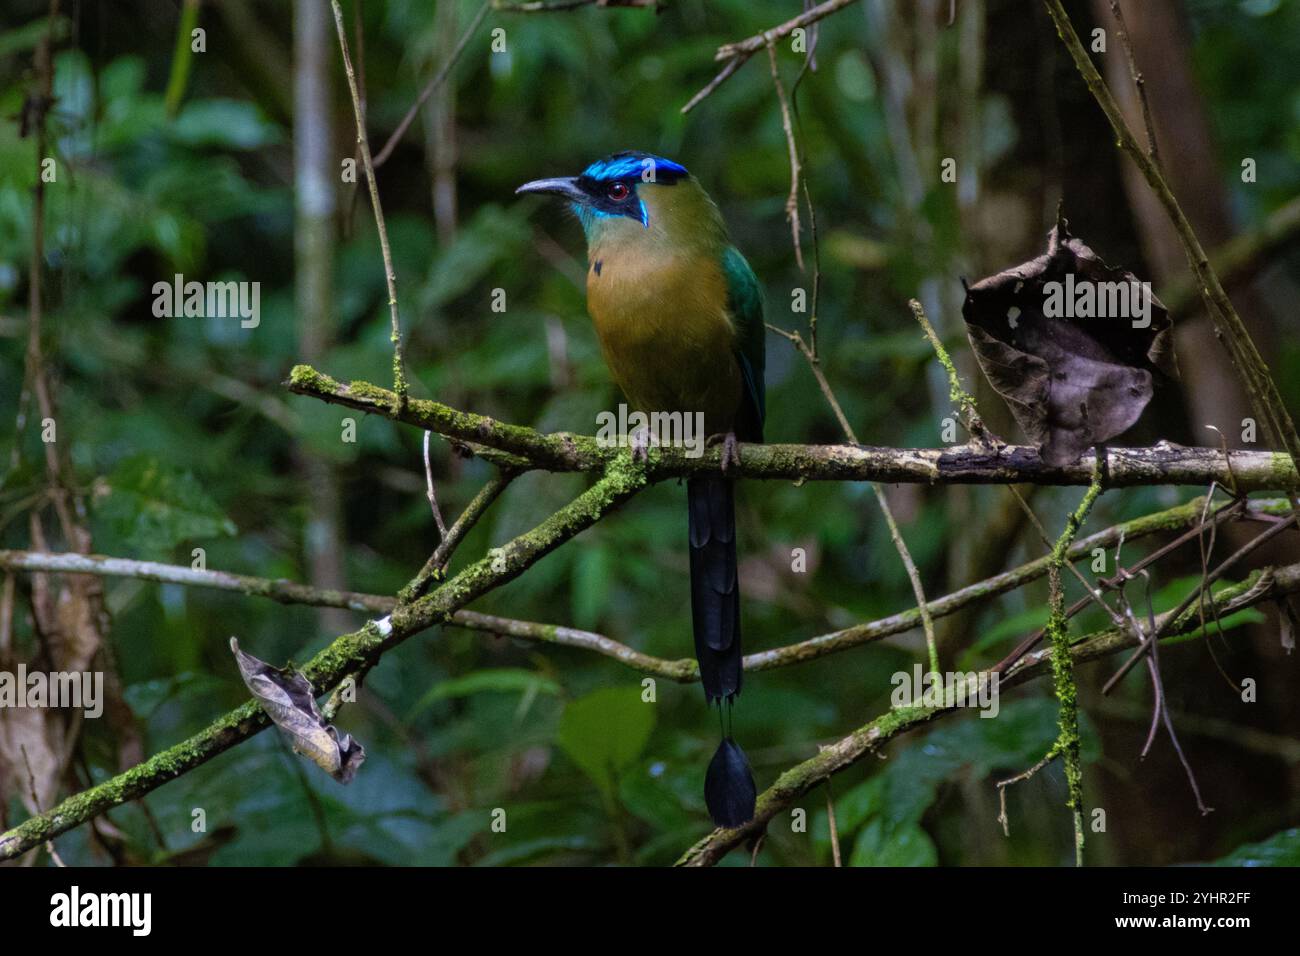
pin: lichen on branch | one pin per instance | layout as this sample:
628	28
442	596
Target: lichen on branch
522	447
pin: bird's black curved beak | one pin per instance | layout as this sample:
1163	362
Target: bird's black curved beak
566	186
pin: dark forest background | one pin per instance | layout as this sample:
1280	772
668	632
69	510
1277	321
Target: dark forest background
180	434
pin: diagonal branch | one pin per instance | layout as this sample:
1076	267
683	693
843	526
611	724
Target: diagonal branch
345	655
431	87
436	566
563	6
737	54
871	737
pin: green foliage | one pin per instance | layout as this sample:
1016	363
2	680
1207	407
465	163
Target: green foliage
1281	849
153	507
605	731
507	680
23	39
1005	631
904	845
181	435
881	817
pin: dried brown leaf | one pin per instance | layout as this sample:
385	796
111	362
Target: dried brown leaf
31	752
1071	344
287	698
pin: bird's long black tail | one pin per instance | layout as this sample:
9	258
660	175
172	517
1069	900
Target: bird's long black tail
729	788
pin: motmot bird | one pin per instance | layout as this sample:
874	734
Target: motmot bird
679	315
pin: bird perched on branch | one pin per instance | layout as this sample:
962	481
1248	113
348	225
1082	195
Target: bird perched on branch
679	315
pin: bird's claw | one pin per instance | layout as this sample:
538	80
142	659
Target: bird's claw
730	449
639	443
987	441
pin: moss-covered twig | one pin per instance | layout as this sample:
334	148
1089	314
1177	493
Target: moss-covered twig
436	566
363	145
958	395
1067	693
870	738
345	655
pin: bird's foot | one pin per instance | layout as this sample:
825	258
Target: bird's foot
986	441
639	442
730	449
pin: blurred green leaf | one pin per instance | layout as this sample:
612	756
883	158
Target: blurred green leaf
492	234
529	850
494	680
1006	628
592	580
154	507
227	124
24	38
605	731
1281	849
656	794
881	845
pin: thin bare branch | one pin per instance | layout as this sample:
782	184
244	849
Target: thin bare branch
432	86
792	146
563	6
430	492
363	143
895	535
738	53
1206	582
682	670
1139	83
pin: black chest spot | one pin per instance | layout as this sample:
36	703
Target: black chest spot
595	266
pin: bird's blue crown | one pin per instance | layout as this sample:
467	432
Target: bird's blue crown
630	165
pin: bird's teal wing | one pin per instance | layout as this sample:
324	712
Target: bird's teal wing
745	302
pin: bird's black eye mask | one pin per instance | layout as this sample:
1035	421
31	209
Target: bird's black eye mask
610	184
613	197
608	187
618	197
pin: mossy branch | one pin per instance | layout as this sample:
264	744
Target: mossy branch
1067	692
345	655
516	446
1259	587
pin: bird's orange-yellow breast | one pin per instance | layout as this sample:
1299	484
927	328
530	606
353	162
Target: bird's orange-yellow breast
660	312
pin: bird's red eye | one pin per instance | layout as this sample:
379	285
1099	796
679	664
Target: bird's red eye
618	192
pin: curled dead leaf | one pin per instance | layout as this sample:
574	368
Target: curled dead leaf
1071	344
287	698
